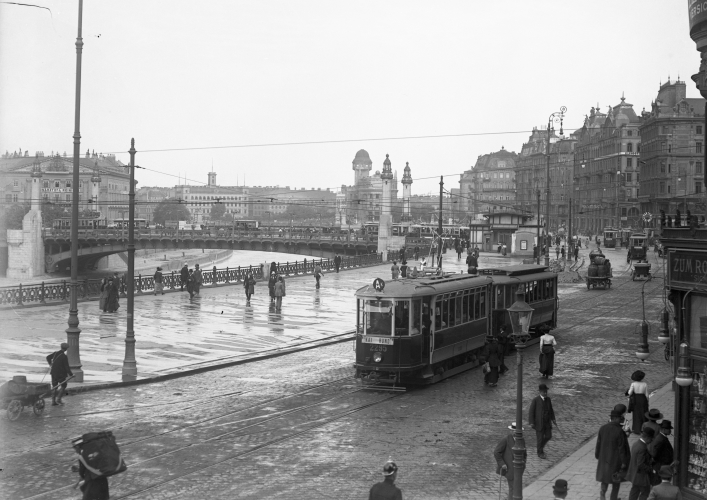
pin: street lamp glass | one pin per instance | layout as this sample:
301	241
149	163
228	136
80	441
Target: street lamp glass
521	314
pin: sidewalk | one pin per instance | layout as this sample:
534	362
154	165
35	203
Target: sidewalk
579	469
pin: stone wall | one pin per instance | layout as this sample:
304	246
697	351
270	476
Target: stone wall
26	248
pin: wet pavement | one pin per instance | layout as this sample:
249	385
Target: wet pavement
175	333
296	427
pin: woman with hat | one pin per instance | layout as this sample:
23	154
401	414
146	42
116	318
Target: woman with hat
159	286
249	286
547	354
271	285
492	354
638	400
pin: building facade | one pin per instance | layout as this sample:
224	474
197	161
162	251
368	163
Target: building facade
199	199
606	170
490	184
672	153
364	199
103	182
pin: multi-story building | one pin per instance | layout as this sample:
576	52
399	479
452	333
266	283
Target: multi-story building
146	200
199	199
606	169
490	184
672	154
103	181
267	202
363	199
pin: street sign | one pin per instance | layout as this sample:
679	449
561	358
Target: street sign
378	284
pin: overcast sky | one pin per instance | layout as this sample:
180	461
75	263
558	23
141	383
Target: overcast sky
212	73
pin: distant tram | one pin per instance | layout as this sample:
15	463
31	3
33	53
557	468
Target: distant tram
420	331
611	235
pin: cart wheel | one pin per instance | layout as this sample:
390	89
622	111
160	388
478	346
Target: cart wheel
588	285
608	283
38	407
14	409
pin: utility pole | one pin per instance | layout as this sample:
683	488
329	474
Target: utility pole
557	116
439	223
570	241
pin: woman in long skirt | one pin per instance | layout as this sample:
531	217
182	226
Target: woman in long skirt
271	286
104	294
249	285
639	391
547	355
112	304
493	355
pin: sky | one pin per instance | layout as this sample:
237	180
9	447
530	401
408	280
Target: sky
232	84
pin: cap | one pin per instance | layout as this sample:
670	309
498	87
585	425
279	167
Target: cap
513	427
64	345
665	472
390	468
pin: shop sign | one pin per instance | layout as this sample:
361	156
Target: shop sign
687	267
697	10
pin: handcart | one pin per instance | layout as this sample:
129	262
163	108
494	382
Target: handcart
641	270
599	272
598	281
18	393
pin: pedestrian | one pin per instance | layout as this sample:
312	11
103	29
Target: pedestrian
386	489
665	490
413	273
503	453
576	253
103	297
557	252
317	273
417	253
279	292
423	264
112	303
499	249
271	285
562	251
639	469
492	356
60	372
503	342
93	487
184	275
613	455
472	264
404	268
652	416
535	251
337	262
660	448
249	286
541	416
504	250
190	284
198	279
395	270
560	489
625	424
433	250
159	286
638	400
546	360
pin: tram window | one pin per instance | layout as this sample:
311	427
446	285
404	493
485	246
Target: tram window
481	296
416	316
402	317
451	311
477	305
458	308
499	297
378	317
426	317
465	306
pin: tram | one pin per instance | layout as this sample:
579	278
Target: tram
610	237
637	247
420	331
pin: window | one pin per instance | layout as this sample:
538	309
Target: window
698	129
662	187
629	133
629	162
668	188
56	184
68	184
698	187
698	147
629	147
629	177
698	168
15	183
45	184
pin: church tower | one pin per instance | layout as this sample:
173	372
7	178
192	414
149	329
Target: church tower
95	187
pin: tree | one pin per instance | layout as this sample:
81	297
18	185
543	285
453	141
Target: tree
51	212
170	209
217	211
12	216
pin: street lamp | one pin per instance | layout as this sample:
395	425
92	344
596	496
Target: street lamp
130	363
642	352
557	116
539	245
521	314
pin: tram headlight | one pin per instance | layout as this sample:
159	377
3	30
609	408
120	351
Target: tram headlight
377	357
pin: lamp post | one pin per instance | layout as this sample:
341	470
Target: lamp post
642	352
616	212
540	246
557	116
73	332
521	314
129	363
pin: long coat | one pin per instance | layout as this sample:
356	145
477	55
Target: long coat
385	490
612	451
59	363
665	491
535	414
661	450
503	453
492	354
184	274
639	468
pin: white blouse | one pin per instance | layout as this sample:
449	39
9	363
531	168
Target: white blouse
638	388
547	339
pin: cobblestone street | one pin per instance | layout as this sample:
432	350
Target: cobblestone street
297	427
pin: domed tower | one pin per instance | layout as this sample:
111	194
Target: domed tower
362	165
407	183
95	186
36	197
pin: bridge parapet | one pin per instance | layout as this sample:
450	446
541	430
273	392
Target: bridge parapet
55	292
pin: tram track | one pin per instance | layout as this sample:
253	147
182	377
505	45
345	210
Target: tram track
261	433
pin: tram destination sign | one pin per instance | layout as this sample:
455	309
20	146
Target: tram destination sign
687	267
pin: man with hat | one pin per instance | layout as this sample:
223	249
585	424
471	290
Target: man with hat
184	275
198	279
503	453
612	453
540	417
59	371
660	448
665	490
653	415
386	489
559	489
639	469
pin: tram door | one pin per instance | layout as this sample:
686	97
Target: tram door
426	327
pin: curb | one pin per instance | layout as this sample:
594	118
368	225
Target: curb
347	337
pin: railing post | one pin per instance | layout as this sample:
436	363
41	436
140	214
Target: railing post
19	297
42	292
171	281
228	278
139	283
63	290
214	276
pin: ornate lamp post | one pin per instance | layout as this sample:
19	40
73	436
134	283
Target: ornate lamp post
557	116
129	363
521	314
642	351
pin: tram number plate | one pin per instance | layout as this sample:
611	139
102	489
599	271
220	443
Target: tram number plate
377	340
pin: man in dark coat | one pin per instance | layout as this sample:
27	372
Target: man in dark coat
59	371
492	353
386	489
639	469
503	453
184	274
540	417
660	448
612	453
665	490
337	262
472	264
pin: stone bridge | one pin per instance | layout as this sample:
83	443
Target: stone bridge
96	244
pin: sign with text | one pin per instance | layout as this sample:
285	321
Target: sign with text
697	10
687	267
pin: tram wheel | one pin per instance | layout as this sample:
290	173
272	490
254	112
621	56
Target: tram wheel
14	409
38	407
